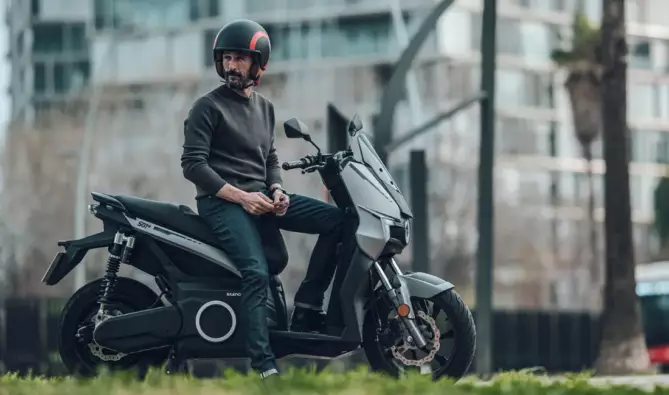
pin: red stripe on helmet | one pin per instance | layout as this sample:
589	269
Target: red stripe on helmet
255	38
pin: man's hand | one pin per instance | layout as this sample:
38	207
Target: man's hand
281	202
256	203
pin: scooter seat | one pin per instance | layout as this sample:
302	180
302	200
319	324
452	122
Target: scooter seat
179	218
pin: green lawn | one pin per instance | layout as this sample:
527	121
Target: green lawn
302	382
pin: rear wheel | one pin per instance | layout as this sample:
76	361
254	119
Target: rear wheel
446	323
79	352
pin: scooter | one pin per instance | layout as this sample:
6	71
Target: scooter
402	320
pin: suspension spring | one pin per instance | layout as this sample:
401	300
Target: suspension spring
113	266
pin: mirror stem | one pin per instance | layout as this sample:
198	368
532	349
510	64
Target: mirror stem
308	138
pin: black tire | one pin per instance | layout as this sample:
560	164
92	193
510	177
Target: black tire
464	343
76	357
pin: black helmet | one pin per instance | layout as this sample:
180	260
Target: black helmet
243	35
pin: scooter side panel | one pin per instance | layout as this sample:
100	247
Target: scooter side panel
372	202
184	242
353	294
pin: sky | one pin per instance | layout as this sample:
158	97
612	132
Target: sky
4	71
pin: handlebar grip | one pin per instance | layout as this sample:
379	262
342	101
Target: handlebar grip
296	164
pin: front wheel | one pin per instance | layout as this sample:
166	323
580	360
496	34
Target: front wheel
446	323
79	352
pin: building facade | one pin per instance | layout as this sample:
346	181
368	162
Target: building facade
48	51
342	51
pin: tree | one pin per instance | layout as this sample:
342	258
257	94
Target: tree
583	65
36	199
136	148
661	205
622	348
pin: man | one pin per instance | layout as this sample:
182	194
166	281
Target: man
229	155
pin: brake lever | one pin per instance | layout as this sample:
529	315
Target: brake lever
311	169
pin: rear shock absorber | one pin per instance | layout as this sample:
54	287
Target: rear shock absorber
117	255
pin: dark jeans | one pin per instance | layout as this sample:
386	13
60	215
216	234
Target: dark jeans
245	238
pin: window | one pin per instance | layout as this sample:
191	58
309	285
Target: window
59	37
650	146
635	11
523	88
523	137
582	188
75	37
530	40
279	38
19	45
358	36
201	9
534	187
61	79
663	148
349	37
461	81
574	189
209	37
35	8
641	103
49	38
640	53
103	12
510	40
142	14
80	74
657	11
40	78
636	192
543	5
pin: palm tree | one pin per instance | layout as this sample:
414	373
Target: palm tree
622	348
583	65
661	200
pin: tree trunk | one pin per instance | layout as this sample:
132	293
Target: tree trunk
622	348
592	224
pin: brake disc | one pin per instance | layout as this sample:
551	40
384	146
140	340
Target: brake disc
399	351
99	351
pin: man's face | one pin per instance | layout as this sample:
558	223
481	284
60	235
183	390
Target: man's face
237	66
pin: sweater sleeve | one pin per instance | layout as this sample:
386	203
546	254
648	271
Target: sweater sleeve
199	127
273	168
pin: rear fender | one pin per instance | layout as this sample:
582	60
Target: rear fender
75	250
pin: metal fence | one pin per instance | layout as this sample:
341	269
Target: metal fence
556	341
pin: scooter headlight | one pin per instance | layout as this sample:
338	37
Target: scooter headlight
407	231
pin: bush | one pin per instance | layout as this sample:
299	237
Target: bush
304	382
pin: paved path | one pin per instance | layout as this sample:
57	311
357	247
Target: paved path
643	382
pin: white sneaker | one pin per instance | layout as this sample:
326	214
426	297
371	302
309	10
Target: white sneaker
268	373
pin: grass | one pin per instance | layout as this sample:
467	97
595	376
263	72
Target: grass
299	382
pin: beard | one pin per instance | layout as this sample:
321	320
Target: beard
236	80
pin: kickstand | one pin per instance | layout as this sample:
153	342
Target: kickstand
175	365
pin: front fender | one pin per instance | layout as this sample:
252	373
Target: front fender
425	286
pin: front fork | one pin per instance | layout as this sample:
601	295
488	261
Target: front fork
398	292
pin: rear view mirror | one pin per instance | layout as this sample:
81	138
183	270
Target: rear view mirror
355	125
295	129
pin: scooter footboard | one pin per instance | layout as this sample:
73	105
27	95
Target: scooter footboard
424	285
75	250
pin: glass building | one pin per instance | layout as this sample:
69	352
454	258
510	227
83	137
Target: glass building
342	51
